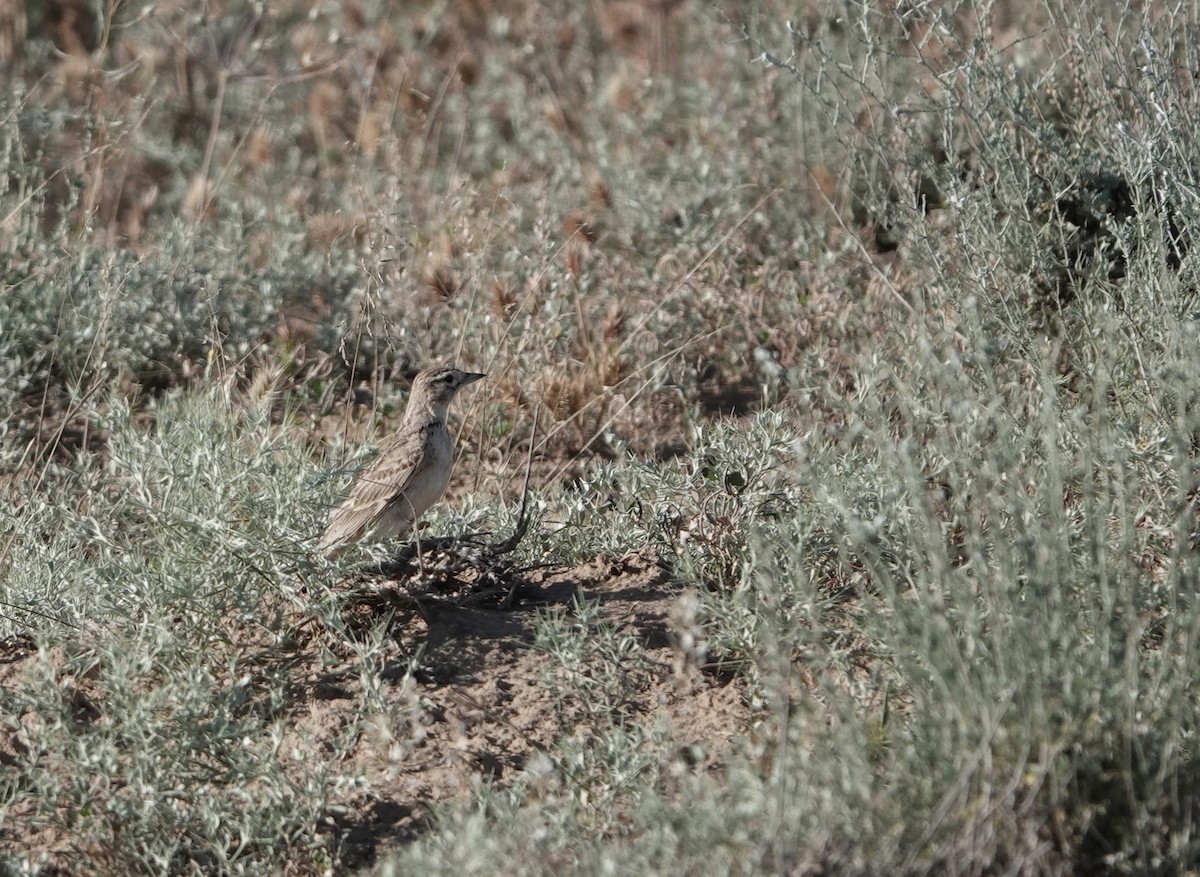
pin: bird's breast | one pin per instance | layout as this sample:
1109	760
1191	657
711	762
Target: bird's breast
431	483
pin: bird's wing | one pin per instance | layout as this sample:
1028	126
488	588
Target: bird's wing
383	483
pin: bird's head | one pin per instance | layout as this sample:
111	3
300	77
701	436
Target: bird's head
438	385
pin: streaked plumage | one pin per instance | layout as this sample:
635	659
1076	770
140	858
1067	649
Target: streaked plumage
411	471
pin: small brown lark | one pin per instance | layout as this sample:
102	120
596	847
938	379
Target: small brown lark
411	472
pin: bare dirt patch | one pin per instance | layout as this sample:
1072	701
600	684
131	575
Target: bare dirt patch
482	700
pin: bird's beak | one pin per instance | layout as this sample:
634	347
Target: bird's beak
471	377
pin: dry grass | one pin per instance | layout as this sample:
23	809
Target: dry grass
851	351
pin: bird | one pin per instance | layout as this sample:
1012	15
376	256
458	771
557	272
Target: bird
411	472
